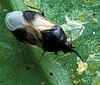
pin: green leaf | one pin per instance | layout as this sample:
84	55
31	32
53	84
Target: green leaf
19	63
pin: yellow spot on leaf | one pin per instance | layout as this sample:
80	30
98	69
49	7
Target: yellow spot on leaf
75	81
98	83
81	19
81	68
94	20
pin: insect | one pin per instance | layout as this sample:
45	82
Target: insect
33	28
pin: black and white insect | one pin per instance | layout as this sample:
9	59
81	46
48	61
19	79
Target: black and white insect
33	28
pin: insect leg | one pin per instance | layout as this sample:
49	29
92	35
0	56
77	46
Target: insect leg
32	7
62	56
36	9
41	56
55	57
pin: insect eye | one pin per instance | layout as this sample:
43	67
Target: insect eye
69	43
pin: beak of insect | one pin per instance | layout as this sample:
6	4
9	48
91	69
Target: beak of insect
69	44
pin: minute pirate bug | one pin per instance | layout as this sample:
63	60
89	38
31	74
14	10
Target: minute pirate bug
33	28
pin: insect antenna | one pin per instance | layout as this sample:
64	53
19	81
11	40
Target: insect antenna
76	53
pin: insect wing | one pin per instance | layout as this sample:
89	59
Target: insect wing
73	29
33	36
